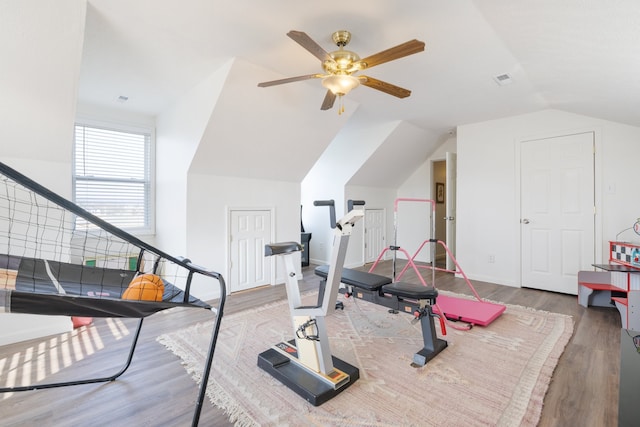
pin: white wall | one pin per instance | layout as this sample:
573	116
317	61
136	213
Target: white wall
40	54
488	196
56	176
363	154
375	198
414	218
248	138
179	131
39	82
110	117
193	206
203	145
328	177
209	199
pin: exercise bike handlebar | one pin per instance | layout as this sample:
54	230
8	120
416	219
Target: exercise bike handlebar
352	203
332	210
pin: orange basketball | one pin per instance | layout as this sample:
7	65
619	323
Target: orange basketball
146	287
148	276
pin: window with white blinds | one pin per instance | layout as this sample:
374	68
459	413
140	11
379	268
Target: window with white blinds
112	177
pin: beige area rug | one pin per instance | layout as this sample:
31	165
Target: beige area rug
489	376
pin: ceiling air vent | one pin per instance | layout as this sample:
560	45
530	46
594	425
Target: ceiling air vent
503	79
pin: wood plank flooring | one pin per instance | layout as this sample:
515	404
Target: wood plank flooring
157	391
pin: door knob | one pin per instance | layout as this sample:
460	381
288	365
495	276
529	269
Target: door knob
448	218
524	221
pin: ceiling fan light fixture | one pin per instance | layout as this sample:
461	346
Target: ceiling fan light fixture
340	66
340	84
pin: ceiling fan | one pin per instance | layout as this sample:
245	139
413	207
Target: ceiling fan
341	66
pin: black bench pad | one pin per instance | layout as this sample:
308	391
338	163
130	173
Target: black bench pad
356	278
411	290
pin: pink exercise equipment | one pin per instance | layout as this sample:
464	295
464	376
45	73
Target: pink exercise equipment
471	311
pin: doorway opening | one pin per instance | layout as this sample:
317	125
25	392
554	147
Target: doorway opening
439	184
443	190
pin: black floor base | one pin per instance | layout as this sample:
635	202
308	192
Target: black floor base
304	382
423	356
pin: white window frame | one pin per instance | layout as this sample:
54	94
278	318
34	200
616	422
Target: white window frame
149	228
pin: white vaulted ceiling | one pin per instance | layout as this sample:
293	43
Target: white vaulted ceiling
574	55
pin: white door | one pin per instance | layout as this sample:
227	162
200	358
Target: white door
557	211
250	231
450	203
374	233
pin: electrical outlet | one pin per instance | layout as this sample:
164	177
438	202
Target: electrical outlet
492	259
321	246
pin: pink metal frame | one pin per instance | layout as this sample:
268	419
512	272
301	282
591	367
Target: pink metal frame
410	259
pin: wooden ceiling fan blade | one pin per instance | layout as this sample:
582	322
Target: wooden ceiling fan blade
308	43
385	87
289	80
329	100
397	52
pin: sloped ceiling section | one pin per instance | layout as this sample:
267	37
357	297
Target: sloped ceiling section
581	55
41	51
404	150
266	133
575	55
153	52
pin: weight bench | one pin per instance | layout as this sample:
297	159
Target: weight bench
359	279
399	296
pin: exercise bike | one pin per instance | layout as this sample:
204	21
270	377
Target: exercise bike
305	364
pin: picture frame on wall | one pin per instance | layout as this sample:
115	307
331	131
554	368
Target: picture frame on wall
439	192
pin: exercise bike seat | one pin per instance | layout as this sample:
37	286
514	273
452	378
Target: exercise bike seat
356	278
281	248
411	290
